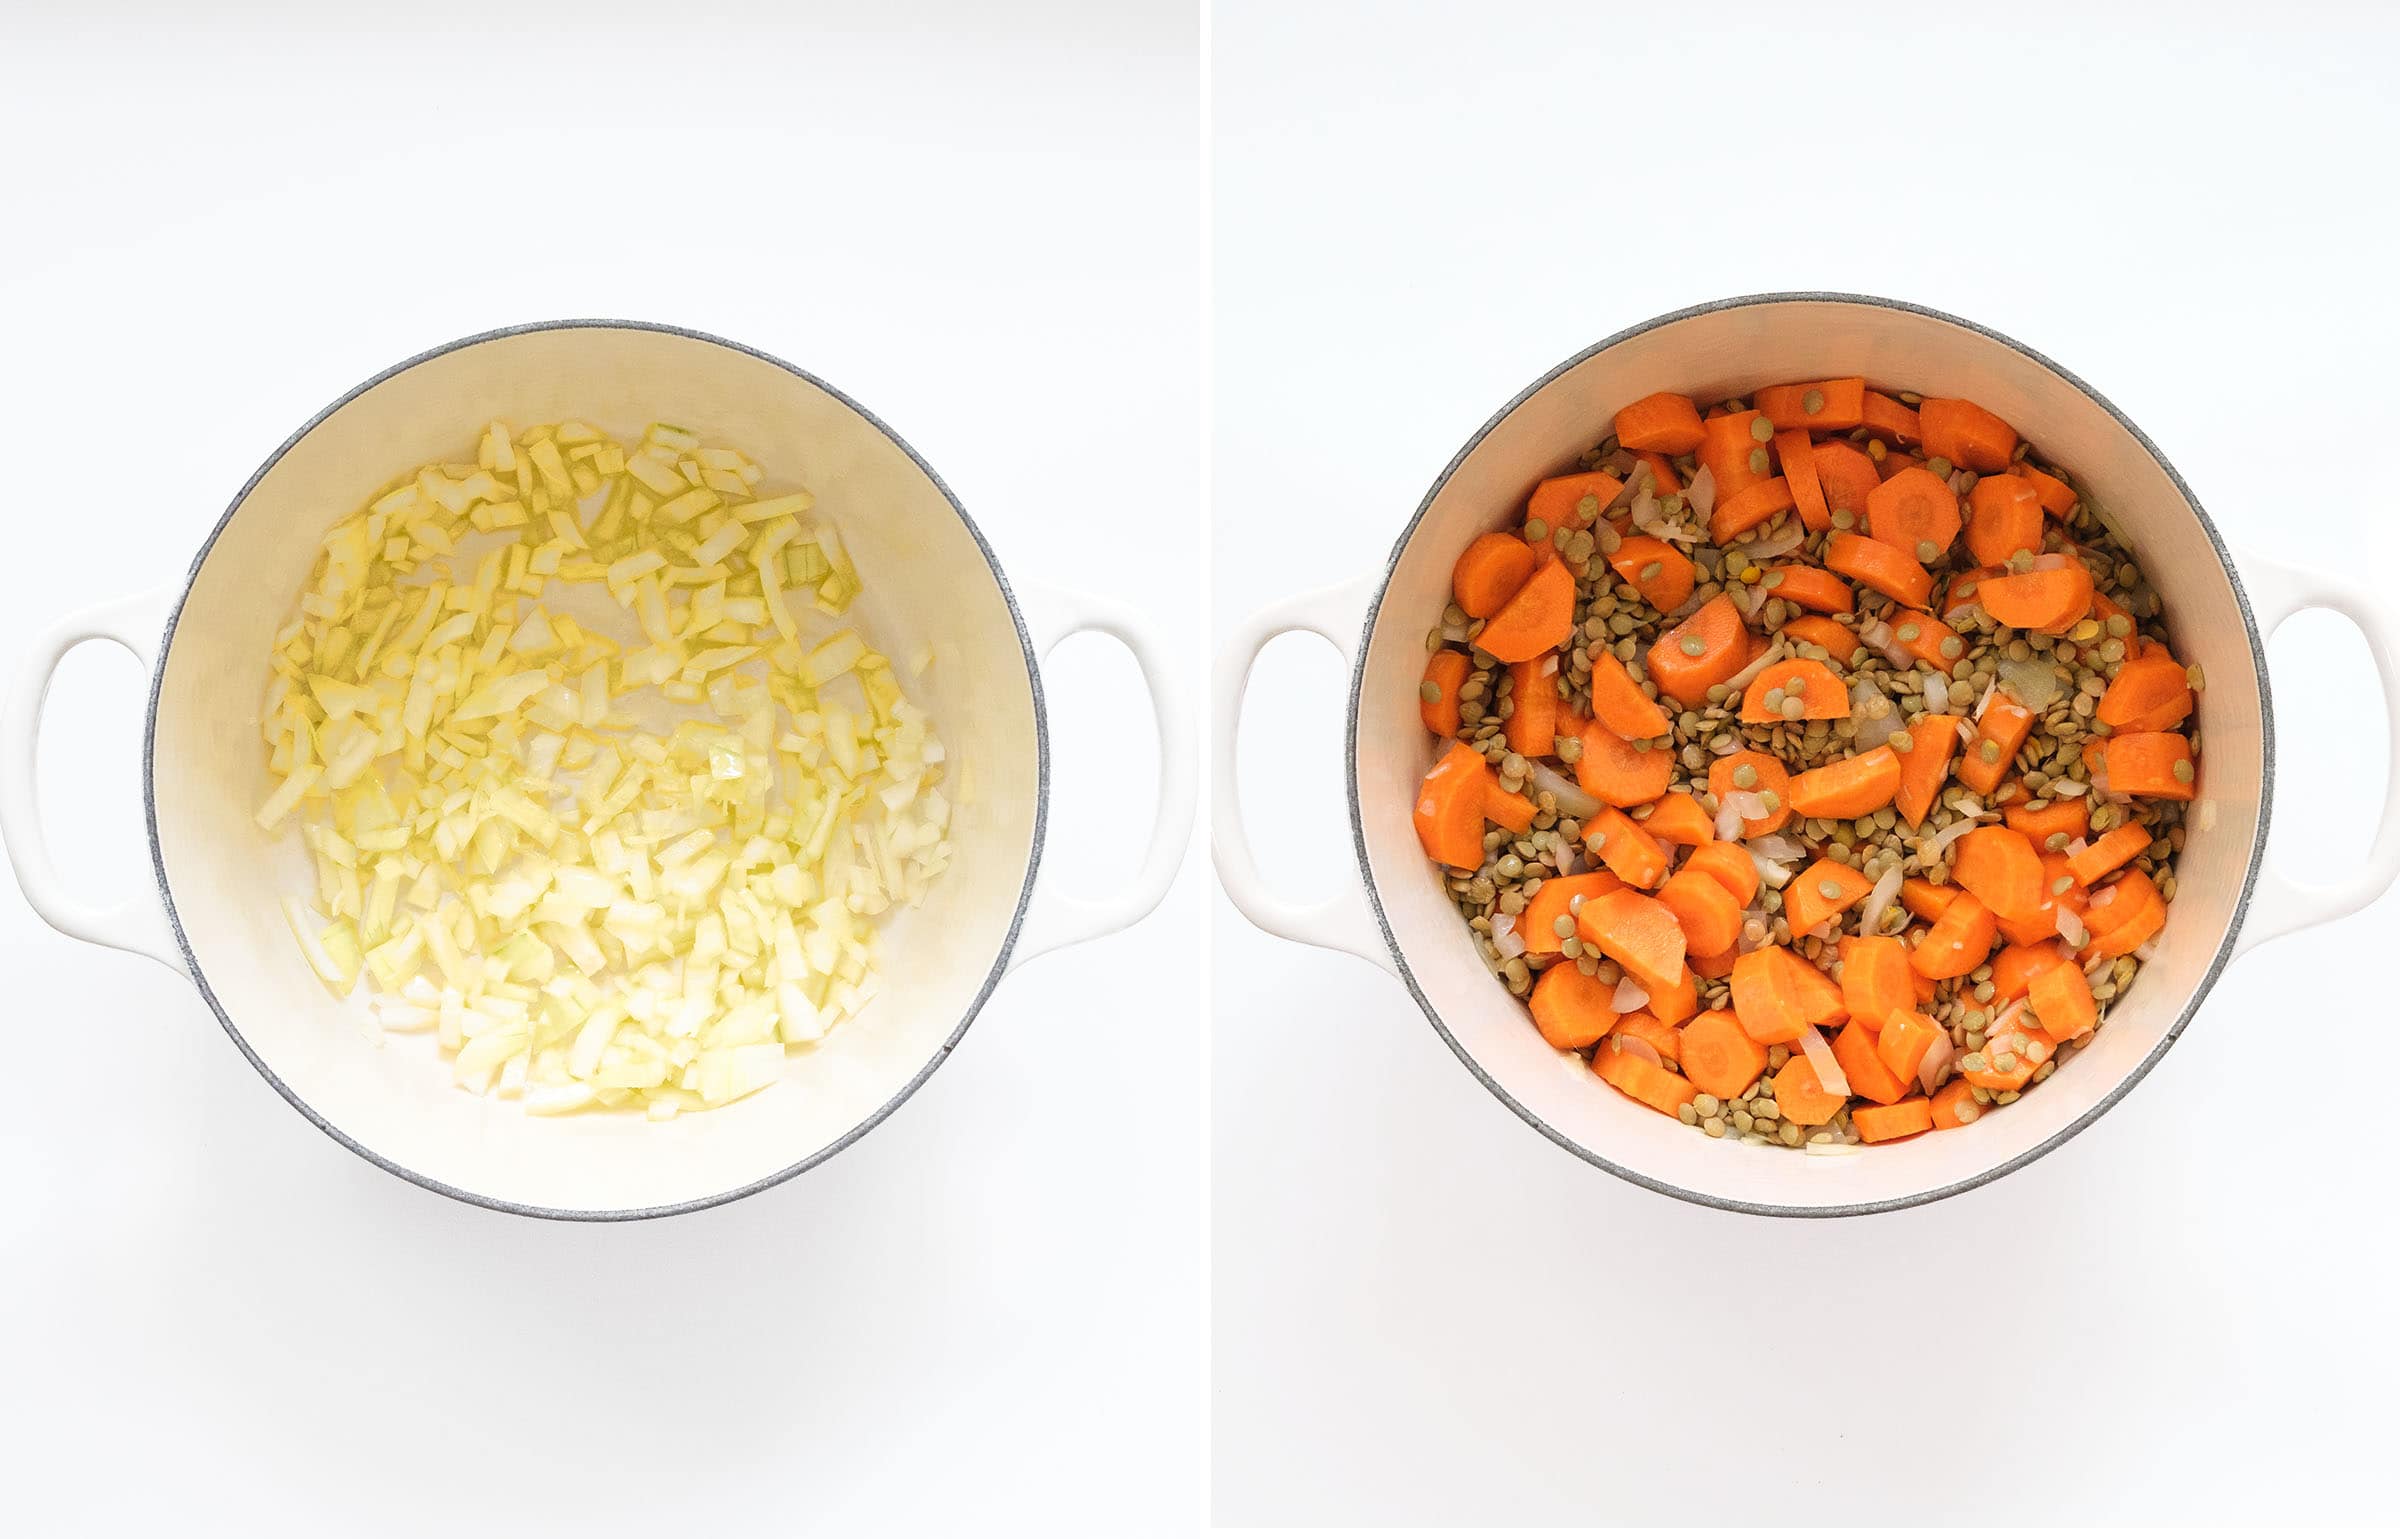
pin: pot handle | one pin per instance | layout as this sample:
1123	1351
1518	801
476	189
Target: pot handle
2280	905
138	925
1059	919
1338	923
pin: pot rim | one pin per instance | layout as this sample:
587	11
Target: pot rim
2208	979
991	980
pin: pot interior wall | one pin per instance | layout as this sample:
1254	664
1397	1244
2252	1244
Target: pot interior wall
1711	356
927	582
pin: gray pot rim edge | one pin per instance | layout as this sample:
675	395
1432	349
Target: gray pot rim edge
2125	1085
991	980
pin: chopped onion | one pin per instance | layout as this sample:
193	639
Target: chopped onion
1879	898
2070	928
1880	635
1776	846
1636	1047
1729	820
1769	658
1505	938
1772	872
2147	951
2032	683
1875	727
1760	552
1629	996
1934	1069
1701	492
2060	788
1821	1059
1572	799
1932	852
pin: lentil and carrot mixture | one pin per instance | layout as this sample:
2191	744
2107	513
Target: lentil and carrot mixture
1814	764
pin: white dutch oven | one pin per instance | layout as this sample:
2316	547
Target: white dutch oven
930	578
2225	901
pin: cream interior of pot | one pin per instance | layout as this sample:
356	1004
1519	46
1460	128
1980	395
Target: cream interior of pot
1712	356
927	582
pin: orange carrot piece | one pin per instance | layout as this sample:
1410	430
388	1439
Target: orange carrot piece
2004	516
2065	819
1616	772
1489	572
2154	764
1954	1105
1710	646
1767	779
1890	571
2057	497
1726	446
1901	1119
2111	850
1619	703
1925	899
1888	419
1718	966
1718	1056
1665	423
1539	617
1848	788
1796	457
2124	914
1992	752
1915	512
1748	508
1729	865
1958	941
1662	574
1840	405
1663	480
1855	1049
1876	980
1555	900
1437	696
1710	916
1507	808
1926	639
1847	477
1801	1096
1766	997
1966	435
1659	1089
1664	1039
1810	587
1925	764
2151	693
1676	818
1825	889
2001	867
2062	1002
1673	1000
1572	502
1638	931
1839	641
2015	967
1895	462
1451	806
1632	855
1906	1037
1958	599
1820	998
1532	728
1817	688
1572	1009
2048	599
2007	1061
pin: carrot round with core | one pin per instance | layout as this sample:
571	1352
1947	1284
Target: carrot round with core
1855	1049
2151	693
1825	406
1888	419
1612	770
1710	916
1728	865
2154	764
1572	1008
1757	774
1437	696
1966	435
1916	512
1796	690
1847	477
1876	980
1571	502
1710	646
1999	866
1727	444
2004	516
1748	508
1664	423
1661	1090
1958	941
1925	764
2111	850
1848	788
1809	587
1718	1055
1901	1119
1662	574
1888	570
1638	931
1555	900
1839	641
1537	618
1489	572
1796	457
1825	889
1631	855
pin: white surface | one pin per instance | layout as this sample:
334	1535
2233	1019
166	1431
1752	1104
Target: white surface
1425	1312
225	225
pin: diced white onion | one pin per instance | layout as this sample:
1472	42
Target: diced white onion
1637	1047
1629	996
1820	1058
1572	799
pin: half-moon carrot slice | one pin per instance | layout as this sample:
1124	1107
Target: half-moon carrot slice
1796	689
1539	617
1796	457
1489	572
1887	569
1664	423
1848	788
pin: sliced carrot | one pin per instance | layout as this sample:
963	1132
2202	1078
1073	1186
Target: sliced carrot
1665	423
1616	772
2004	516
1631	854
1820	998
1766	778
1888	419
1895	462
1810	587
2059	890
1726	446
1890	571
1659	1089
2062	1002
2154	764
1902	1119
1662	574
1824	406
1954	1105
1876	979
2151	693
1801	1097
1710	916
1555	900
2015	967
2050	600
2124	914
1854	1048
1673	1000
1958	599
1914	511
1489	572
1906	1037
2001	867
1926	639
1437	696
1729	865
1572	502
1991	753
1452	805
1796	457
1572	1008
1539	617
1511	810
1619	703
1663	480
2064	819
1958	941
1718	1056
1766	998
2057	497
1848	788
1718	966
1825	889
1664	1039
2007	1061
1925	899
2111	850
1532	727
1847	477
1750	507
1966	435
1925	764
1818	690
1710	646
1839	641
1638	931
1676	818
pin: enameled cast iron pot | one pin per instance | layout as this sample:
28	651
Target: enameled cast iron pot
930	578
2219	613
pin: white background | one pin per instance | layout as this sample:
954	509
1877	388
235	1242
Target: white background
1426	1312
990	230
